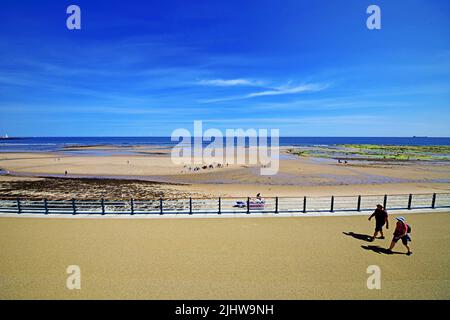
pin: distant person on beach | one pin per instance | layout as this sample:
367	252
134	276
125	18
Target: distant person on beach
259	198
402	231
65	173
381	218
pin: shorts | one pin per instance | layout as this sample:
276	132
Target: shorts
405	239
379	227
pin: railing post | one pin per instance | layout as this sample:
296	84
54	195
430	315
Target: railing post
358	208
74	206
190	205
103	206
410	201
276	205
332	204
132	205
160	205
304	204
45	206
220	205
19	206
385	201
433	201
248	205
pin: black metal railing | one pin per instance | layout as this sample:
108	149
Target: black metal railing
224	205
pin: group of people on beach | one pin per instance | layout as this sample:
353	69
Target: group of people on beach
204	167
402	229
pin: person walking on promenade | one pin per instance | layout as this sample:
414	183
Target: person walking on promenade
402	231
381	218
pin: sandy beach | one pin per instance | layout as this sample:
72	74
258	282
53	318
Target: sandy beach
242	258
220	258
153	175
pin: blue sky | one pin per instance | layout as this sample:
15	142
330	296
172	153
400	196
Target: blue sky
145	68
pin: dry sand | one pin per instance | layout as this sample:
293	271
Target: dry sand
241	258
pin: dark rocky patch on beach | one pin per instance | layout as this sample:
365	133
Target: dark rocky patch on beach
87	188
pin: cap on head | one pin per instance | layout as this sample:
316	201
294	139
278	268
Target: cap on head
379	206
401	219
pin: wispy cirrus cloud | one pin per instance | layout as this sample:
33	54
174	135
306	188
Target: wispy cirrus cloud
274	91
229	82
316	120
289	90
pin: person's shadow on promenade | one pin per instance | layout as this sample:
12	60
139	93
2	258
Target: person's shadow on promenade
363	237
380	250
376	249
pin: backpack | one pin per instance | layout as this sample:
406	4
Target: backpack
408	228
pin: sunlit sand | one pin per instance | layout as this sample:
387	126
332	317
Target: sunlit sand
243	258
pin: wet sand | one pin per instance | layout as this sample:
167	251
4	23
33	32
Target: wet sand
241	258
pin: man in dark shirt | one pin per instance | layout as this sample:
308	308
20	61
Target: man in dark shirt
381	218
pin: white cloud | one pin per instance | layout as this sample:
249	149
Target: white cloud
274	91
312	120
288	90
229	82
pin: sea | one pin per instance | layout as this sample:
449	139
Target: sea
52	144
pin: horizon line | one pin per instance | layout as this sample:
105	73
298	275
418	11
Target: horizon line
108	136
